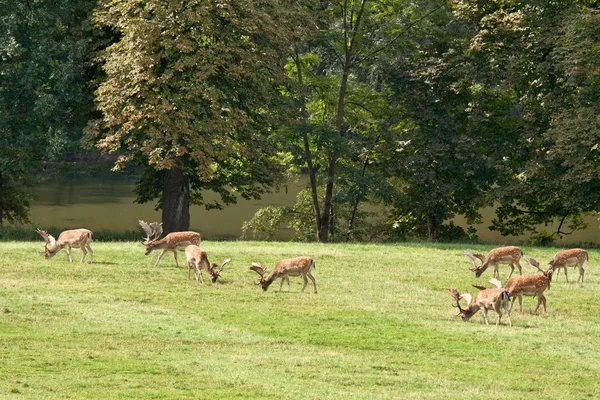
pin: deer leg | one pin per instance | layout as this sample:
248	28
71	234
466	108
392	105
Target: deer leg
162	253
508	311
484	311
91	252
581	273
512	268
521	304
199	275
566	277
175	254
190	269
83	252
68	249
305	282
496	272
541	301
520	269
312	278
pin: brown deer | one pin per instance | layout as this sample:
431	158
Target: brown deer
564	258
197	259
172	242
494	298
530	285
298	266
74	237
501	255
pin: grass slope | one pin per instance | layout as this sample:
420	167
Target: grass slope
382	326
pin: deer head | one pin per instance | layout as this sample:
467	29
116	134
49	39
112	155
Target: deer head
216	273
260	270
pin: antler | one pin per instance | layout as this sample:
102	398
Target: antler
43	234
474	257
495	282
225	261
154	228
258	268
457	297
157	229
534	263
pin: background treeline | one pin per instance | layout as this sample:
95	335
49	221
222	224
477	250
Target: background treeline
421	110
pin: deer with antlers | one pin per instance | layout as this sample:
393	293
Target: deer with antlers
75	237
501	255
172	242
564	258
494	298
530	285
297	266
197	259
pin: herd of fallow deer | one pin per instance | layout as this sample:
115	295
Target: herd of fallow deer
499	297
196	258
496	298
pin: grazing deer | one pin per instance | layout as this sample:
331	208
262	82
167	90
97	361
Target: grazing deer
298	266
494	298
172	242
530	285
196	259
564	258
74	237
501	255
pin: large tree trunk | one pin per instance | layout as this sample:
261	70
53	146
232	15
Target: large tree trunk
176	201
431	227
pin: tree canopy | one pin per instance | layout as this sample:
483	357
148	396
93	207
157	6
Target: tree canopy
401	114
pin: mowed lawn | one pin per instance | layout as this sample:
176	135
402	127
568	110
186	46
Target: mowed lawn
381	326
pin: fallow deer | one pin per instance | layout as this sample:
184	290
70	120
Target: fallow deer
564	258
530	285
197	259
298	266
501	255
494	298
172	242
74	237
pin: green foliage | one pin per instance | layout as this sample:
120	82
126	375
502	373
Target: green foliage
45	96
367	225
194	87
382	326
544	60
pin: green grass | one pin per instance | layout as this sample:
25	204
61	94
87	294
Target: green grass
382	326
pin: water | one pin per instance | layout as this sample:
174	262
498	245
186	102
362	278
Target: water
109	204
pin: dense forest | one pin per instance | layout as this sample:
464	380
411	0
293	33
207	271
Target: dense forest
423	109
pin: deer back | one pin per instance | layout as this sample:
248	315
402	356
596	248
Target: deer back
569	257
74	237
292	266
527	284
174	240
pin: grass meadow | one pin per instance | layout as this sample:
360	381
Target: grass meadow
382	326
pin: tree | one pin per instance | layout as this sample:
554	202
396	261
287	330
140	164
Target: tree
545	60
193	91
45	97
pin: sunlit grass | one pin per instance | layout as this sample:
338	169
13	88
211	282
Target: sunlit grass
382	326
